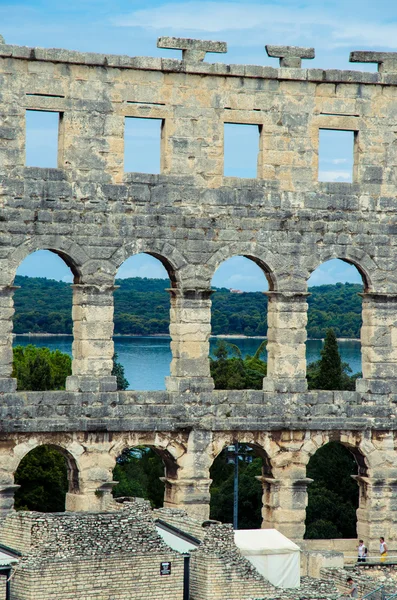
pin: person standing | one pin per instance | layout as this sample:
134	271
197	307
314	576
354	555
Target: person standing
353	591
382	549
362	552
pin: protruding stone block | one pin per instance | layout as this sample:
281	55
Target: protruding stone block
8	384
81	383
386	61
181	385
7	498
192	50
290	56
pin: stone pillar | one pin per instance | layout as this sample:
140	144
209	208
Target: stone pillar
7	492
95	481
377	512
379	344
286	349
191	495
7	383
93	347
284	505
190	328
187	482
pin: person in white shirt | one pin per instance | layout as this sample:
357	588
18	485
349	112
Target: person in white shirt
382	549
362	552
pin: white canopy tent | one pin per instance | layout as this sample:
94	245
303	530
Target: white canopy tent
272	554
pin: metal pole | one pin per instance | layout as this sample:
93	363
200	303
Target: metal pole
235	490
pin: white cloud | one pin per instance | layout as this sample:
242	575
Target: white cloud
278	21
337	161
334	176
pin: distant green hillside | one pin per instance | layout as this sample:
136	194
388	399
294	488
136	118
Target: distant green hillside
142	308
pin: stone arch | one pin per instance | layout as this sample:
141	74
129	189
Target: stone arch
22	450
353	256
351	441
170	448
72	474
270	265
69	251
253	439
172	260
259	499
167	451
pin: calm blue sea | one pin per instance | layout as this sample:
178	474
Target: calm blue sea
146	360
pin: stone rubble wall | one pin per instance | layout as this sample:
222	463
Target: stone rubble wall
368	578
69	556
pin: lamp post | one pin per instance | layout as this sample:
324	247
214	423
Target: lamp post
235	453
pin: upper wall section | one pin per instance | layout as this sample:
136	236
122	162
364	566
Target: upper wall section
94	93
90	209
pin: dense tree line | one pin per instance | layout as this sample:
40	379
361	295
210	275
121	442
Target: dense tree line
142	308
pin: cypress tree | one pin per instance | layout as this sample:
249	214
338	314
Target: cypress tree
330	373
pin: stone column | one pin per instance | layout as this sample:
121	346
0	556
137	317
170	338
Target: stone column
93	492
93	347
7	492
377	512
379	344
284	505
190	328
191	495
7	383
187	482
286	349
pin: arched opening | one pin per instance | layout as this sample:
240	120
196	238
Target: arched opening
252	463
141	321
139	471
333	348
46	474
333	497
239	323
43	324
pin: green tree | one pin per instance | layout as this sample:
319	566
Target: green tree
236	373
118	371
330	368
138	471
333	496
249	489
330	373
39	369
42	475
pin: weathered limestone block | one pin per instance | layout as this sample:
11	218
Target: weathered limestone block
286	363
7	384
189	486
93	346
290	56
192	50
190	329
378	340
386	61
284	505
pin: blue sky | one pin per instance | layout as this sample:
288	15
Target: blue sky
333	27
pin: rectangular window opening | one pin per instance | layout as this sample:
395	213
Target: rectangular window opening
336	156
241	150
142	145
42	137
